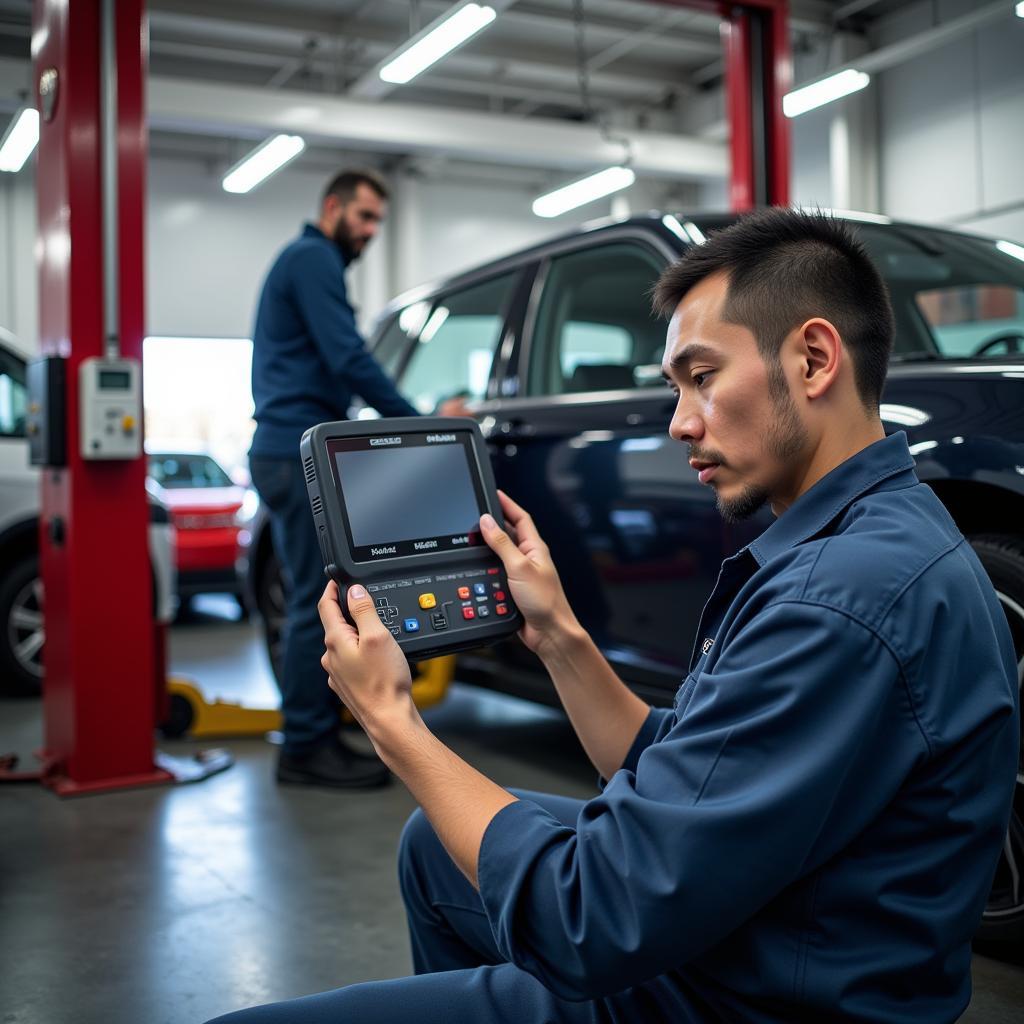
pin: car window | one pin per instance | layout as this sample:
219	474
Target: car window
456	344
972	319
13	396
953	296
594	329
393	341
183	470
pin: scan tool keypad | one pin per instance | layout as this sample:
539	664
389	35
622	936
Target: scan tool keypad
441	602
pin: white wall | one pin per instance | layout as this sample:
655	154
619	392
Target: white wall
952	125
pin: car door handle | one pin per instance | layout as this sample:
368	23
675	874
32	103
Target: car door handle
511	430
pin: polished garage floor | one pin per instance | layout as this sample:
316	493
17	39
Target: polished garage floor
171	905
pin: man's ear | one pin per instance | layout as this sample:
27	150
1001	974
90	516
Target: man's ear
822	356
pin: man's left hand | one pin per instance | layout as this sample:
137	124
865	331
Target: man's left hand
365	666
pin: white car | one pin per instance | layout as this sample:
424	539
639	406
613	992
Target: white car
21	593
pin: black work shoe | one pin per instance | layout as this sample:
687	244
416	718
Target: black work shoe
332	763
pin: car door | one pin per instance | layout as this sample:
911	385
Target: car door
455	341
585	448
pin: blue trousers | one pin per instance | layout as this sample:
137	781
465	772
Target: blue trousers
309	707
461	978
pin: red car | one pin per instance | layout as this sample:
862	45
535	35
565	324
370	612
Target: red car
206	509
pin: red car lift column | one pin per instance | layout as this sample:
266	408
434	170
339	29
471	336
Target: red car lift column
758	73
98	693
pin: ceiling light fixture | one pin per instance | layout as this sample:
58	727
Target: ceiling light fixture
817	94
1020	9
19	140
463	24
586	190
262	162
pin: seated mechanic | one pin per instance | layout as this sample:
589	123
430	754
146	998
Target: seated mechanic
811	831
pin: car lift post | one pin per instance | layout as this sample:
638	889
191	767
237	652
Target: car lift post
758	73
89	66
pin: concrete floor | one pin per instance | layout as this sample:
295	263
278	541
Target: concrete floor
172	905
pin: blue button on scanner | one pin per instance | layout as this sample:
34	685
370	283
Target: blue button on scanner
412	625
479	588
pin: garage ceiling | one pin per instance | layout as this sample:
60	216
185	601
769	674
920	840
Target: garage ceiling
649	66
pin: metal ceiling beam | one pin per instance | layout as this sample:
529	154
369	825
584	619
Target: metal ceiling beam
481	70
921	43
250	112
235	14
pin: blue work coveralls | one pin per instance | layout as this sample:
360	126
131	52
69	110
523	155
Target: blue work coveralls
808	834
308	362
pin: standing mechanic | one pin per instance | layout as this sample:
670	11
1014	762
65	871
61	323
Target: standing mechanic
308	363
811	831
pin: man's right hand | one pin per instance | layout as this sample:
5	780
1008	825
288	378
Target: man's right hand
532	577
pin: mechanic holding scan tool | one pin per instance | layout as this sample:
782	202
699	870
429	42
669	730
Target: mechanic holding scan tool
308	363
811	831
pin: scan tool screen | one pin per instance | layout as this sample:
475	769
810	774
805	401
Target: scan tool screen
408	494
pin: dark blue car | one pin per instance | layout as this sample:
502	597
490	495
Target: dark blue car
557	350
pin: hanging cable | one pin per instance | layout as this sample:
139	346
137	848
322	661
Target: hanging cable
583	79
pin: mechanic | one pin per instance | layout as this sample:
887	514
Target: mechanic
811	831
308	363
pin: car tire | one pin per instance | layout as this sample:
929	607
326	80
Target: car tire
271	603
21	630
1003	921
180	717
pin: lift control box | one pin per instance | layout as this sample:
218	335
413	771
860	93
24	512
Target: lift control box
45	422
110	403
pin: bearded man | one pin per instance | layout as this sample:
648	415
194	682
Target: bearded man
308	363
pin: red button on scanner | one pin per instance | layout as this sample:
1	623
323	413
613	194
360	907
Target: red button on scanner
499	595
492	572
463	592
468	613
502	609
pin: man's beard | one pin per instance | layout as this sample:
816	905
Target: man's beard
343	240
784	438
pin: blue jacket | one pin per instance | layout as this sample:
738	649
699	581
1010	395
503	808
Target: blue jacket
811	832
308	359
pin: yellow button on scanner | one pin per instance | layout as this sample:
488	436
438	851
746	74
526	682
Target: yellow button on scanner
427	600
128	424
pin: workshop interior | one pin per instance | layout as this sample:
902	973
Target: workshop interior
329	332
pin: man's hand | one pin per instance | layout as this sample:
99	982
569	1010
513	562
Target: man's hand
365	666
532	577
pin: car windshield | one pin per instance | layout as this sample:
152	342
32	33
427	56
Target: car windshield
954	296
181	470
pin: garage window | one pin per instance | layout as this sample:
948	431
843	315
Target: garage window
457	343
594	329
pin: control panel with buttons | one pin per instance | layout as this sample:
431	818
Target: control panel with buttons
110	399
453	600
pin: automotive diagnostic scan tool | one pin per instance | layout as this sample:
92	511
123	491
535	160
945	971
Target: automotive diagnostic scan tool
397	506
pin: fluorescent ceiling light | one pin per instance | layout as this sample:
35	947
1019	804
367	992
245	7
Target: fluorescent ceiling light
19	141
262	162
463	24
1020	9
586	190
1011	248
817	94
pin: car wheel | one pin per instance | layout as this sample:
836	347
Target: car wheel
21	630
1003	921
271	602
179	718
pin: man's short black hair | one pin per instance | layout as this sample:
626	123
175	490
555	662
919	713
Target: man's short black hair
344	184
785	267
